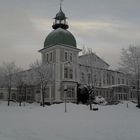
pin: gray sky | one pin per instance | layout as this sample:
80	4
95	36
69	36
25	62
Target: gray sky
104	25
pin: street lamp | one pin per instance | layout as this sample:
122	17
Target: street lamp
65	92
138	82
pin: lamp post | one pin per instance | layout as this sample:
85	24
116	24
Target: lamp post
138	82
65	92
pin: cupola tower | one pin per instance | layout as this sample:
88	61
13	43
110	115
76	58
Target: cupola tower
60	20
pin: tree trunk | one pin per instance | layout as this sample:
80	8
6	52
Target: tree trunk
90	103
25	95
43	103
42	97
9	96
20	103
90	106
138	100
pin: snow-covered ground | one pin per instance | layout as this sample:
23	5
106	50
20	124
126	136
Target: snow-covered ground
32	122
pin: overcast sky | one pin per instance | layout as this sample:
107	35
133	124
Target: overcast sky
106	26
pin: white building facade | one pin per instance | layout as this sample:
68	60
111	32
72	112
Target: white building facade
69	69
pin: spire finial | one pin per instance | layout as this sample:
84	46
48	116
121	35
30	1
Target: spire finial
61	4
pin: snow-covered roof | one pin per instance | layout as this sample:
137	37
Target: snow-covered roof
117	85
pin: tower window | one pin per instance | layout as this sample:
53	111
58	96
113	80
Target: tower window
71	57
50	56
47	57
66	56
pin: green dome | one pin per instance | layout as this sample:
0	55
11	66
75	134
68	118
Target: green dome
60	36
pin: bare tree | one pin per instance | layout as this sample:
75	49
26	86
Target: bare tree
44	76
90	70
1	77
9	70
130	63
20	84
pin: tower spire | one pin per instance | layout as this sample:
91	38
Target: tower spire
61	4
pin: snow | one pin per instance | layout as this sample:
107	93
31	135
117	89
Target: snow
33	122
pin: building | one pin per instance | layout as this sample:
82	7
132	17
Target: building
93	71
69	69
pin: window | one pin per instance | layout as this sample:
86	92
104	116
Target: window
95	79
100	84
71	74
28	97
118	80
122	81
96	93
47	57
82	76
13	96
112	80
104	79
107	94
127	81
108	78
46	93
89	78
65	72
1	96
100	93
38	91
50	57
71	57
119	96
70	92
66	56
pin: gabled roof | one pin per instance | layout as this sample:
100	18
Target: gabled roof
94	55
